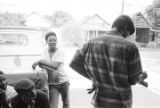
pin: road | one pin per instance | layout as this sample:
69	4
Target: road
142	97
151	64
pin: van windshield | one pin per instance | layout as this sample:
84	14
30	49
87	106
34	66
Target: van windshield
13	39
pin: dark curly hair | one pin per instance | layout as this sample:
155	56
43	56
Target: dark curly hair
49	34
124	23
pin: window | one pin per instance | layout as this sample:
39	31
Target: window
101	32
13	39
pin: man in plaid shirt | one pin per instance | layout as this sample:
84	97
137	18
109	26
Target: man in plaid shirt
112	63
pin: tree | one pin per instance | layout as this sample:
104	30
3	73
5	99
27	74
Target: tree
59	18
72	34
11	19
153	12
70	30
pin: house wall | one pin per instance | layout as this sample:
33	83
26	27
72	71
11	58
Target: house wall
91	34
142	35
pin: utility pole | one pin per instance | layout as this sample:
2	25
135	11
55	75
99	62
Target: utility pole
122	11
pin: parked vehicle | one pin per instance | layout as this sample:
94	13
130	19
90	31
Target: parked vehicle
19	48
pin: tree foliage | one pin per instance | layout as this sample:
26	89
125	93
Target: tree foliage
59	18
153	12
72	34
11	19
71	31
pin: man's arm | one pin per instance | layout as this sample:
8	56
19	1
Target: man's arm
49	65
77	63
56	61
46	65
135	72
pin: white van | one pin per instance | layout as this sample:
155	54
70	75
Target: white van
19	48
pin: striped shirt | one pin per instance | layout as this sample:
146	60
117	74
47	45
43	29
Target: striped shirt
114	63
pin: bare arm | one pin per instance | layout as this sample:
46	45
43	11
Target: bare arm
47	65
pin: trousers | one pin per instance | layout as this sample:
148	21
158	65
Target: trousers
55	91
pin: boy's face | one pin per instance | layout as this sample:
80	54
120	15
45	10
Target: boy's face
52	41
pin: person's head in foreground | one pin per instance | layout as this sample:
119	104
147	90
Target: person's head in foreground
26	90
124	26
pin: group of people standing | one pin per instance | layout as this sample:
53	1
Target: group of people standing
110	61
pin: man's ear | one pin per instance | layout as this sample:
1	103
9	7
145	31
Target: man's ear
125	32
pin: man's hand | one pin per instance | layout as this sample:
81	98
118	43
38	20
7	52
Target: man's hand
34	65
91	90
40	62
141	79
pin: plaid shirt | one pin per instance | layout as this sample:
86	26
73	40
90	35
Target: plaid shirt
114	63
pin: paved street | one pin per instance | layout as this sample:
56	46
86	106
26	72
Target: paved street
151	64
142	97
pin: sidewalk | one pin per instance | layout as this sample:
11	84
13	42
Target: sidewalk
145	98
154	82
151	64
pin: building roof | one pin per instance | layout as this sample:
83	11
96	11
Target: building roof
95	22
35	20
140	21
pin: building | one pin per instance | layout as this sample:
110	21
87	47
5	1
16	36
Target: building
37	21
94	26
142	32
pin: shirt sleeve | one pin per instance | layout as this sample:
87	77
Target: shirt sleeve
134	65
10	92
77	63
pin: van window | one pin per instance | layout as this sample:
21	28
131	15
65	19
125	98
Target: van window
13	39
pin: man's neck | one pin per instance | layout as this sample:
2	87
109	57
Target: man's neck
114	32
52	50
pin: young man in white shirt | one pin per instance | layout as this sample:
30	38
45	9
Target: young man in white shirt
53	62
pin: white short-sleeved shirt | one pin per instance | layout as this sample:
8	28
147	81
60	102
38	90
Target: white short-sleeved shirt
10	92
58	76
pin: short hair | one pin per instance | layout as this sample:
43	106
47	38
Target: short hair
49	34
123	23
1	72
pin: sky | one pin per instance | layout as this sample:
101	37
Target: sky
78	9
